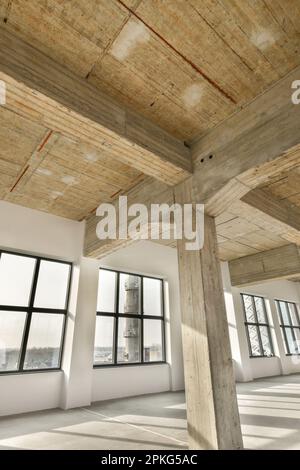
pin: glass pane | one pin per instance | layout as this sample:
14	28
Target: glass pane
16	275
106	291
129	344
52	286
259	305
249	308
152	296
284	313
130	294
255	347
152	340
297	335
265	341
11	334
292	343
294	314
43	347
104	340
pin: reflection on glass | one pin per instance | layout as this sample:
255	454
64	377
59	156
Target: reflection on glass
152	340
260	311
106	291
44	341
284	313
249	308
52	286
264	334
103	351
254	341
152	296
291	340
11	334
294	314
129	344
16	275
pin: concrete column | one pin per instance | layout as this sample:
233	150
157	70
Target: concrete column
212	411
79	343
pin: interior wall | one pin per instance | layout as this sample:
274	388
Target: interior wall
31	231
250	368
151	259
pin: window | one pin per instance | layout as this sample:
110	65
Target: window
130	319
33	306
290	326
257	326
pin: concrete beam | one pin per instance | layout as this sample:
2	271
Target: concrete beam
45	92
280	210
278	263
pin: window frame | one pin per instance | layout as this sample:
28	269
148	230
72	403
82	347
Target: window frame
140	316
284	326
30	309
257	325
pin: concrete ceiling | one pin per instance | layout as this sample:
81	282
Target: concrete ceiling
185	65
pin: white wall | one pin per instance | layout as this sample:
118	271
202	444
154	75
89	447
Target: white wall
151	259
35	232
250	368
29	392
29	231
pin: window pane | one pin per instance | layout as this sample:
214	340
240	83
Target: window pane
259	305
104	339
294	314
264	334
292	343
52	286
43	347
130	293
16	275
297	335
106	291
129	344
152	340
152	296
11	334
249	308
253	334
284	313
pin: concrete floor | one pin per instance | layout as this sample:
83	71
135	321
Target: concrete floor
269	409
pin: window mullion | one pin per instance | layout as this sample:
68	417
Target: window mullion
29	316
116	323
262	352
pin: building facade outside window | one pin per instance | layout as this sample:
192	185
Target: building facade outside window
290	326
257	326
130	325
34	295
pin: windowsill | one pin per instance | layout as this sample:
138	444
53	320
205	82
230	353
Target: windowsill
27	372
262	357
136	364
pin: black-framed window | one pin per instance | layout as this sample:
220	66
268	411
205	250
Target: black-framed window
290	326
257	326
130	324
34	296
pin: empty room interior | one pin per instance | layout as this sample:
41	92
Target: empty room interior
119	330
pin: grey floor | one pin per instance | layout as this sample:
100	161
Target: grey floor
269	410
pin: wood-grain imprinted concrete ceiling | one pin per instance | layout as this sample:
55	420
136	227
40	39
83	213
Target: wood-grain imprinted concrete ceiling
185	65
